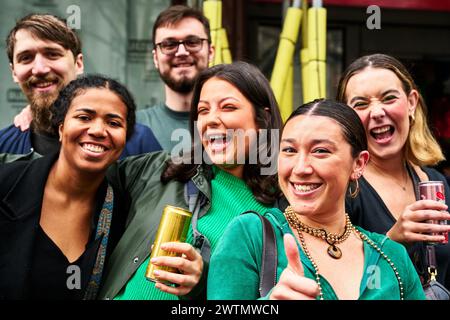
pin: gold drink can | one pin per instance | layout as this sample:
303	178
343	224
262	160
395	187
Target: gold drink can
173	227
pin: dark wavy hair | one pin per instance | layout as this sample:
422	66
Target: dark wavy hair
249	80
347	118
80	85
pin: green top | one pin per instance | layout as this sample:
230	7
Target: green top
163	122
234	268
230	197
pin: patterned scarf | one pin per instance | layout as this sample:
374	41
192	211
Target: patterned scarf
103	226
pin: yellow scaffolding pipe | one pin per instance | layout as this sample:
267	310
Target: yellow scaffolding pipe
226	53
287	100
284	59
213	11
304	58
314	56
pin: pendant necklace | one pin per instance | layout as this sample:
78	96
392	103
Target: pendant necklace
334	251
331	238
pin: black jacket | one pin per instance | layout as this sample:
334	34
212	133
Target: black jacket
22	186
369	211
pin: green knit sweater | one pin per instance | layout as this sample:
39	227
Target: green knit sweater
230	197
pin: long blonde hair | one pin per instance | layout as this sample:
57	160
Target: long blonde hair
421	147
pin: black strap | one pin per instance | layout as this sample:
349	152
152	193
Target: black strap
195	200
269	258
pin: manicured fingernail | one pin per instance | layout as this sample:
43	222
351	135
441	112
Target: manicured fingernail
154	260
156	273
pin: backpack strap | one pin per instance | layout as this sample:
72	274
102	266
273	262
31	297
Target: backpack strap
269	258
195	200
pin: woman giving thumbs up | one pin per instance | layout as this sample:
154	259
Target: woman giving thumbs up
323	256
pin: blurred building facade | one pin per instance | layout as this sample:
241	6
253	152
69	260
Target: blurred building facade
116	36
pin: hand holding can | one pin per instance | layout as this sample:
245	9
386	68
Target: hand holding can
434	190
174	226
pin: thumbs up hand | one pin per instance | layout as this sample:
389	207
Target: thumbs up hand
293	285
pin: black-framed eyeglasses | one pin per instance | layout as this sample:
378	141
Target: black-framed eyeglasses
191	44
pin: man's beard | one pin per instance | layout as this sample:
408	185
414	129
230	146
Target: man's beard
183	85
41	102
41	109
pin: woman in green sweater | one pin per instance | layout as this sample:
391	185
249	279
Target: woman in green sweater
232	116
321	255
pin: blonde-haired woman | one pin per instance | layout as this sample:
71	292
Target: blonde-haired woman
383	93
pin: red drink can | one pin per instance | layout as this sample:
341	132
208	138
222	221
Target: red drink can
434	190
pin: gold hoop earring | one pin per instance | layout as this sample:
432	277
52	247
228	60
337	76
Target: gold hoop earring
354	193
411	119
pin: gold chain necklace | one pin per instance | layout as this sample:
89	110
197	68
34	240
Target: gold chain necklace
331	238
361	236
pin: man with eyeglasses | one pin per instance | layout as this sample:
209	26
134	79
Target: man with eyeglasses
182	48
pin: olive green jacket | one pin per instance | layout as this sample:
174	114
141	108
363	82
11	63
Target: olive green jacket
139	178
10	157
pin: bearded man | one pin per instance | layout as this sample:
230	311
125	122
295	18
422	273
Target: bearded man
45	55
182	48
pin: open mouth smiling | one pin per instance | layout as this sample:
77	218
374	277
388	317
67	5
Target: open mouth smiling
95	148
306	187
382	133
